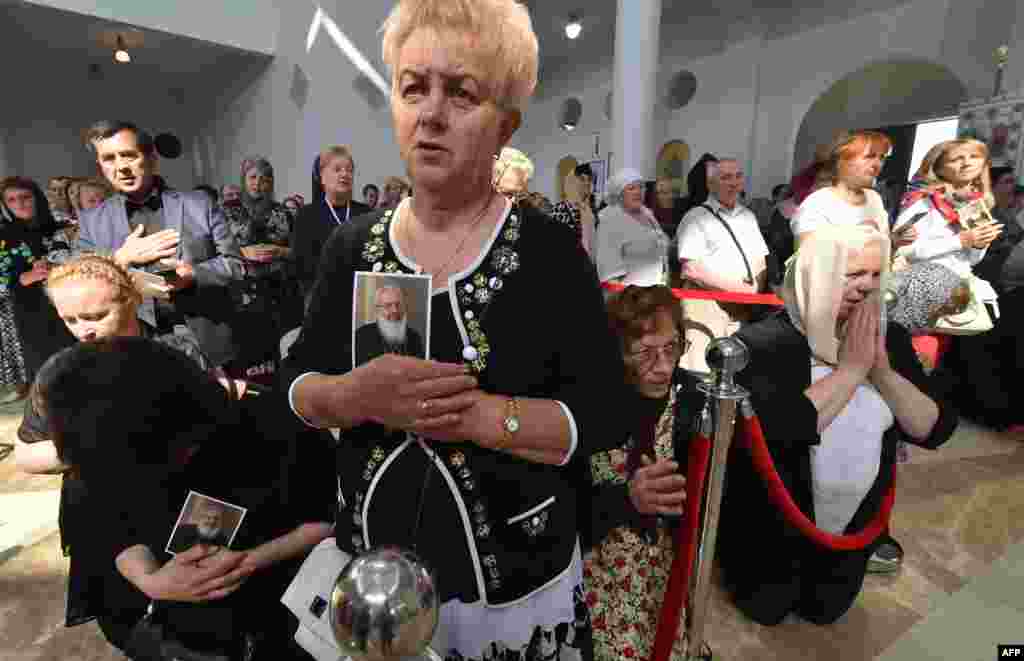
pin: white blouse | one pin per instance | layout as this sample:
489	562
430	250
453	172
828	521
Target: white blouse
845	464
634	251
937	240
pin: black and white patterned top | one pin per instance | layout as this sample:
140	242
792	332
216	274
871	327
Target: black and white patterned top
521	306
568	214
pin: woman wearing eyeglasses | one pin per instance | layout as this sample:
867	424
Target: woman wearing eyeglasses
638	488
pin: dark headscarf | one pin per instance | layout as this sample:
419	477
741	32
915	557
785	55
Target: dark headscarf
697	182
259	208
44	223
318	188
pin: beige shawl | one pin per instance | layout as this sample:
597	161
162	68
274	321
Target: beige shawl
813	288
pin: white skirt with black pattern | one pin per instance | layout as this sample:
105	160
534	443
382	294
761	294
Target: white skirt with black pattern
550	625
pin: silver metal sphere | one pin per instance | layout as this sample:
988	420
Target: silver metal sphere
727	355
384	606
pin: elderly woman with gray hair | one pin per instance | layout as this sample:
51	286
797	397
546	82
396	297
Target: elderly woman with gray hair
630	244
836	389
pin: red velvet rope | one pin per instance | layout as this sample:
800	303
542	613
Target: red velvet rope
751	437
686	550
703	294
753	440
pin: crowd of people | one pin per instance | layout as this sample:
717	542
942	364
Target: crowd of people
200	342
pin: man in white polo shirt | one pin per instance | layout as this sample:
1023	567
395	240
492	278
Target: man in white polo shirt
720	247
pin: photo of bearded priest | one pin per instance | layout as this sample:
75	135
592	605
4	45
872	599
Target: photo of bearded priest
391	331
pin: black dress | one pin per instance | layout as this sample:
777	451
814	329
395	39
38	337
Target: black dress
86	576
497	529
789	573
312	229
983	371
282	480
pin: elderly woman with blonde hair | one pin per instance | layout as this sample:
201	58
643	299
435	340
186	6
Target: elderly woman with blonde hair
470	458
836	390
395	190
513	171
630	244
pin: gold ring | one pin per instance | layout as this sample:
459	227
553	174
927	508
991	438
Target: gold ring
424	405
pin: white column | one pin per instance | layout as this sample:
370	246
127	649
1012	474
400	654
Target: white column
637	30
1013	80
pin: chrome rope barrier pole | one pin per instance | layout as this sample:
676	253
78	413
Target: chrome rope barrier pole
725	356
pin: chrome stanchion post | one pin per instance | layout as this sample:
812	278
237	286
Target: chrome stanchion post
725	356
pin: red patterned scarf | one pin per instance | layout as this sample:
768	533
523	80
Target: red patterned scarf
947	206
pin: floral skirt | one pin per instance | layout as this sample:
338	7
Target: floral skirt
12	360
625	580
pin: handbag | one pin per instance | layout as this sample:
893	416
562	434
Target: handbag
975	318
151	640
741	312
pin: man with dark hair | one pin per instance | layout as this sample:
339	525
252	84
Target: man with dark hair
180	236
371	195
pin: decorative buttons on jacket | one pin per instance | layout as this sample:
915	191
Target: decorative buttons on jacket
535	524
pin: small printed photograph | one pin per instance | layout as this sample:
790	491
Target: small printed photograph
390	314
205	520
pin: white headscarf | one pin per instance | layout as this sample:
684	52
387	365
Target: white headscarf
813	288
618	183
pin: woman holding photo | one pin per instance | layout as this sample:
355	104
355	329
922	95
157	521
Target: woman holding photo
466	459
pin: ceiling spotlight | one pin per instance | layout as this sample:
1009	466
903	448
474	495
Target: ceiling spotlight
573	27
121	55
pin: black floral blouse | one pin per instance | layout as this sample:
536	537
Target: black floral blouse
275	228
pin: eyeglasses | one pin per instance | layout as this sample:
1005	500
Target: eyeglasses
649	355
389	306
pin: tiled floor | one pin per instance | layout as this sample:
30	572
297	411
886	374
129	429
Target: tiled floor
959	515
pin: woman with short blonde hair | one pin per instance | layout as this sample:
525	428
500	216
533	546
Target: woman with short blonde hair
331	206
480	438
395	190
512	173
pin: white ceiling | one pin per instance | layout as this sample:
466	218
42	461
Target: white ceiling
76	40
690	28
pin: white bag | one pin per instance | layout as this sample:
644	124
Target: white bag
975	319
309	598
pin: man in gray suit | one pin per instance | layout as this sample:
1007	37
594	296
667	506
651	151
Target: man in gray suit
177	235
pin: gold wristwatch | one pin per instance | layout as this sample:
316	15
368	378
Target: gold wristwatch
510	425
